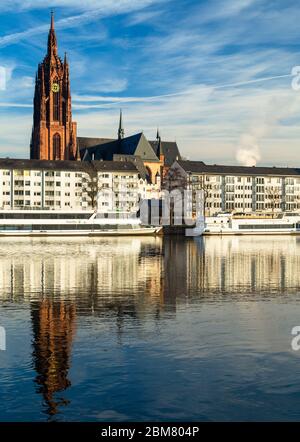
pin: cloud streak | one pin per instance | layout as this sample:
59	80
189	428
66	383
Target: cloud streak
99	10
194	68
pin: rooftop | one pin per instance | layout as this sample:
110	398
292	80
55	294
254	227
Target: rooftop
111	166
201	167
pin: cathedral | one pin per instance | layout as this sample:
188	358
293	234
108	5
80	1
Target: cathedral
54	133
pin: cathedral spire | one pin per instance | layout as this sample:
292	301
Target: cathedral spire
52	42
158	137
121	131
159	144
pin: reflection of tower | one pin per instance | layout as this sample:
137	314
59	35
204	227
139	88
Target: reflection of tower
53	326
175	282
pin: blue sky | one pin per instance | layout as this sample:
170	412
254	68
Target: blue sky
203	71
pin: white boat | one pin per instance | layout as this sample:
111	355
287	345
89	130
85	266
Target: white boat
253	224
71	223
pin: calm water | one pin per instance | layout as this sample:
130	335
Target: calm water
150	329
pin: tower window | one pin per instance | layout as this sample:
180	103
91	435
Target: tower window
56	106
56	147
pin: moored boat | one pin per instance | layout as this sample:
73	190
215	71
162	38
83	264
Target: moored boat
71	223
253	224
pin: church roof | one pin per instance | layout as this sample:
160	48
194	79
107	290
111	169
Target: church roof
136	145
86	142
169	149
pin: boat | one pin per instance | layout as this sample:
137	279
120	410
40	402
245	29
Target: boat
252	224
41	222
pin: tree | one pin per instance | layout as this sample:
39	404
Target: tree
273	197
90	187
206	190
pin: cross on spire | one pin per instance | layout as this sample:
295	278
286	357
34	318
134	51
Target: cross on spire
52	20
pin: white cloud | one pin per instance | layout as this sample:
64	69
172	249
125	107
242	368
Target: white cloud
98	9
209	86
102	5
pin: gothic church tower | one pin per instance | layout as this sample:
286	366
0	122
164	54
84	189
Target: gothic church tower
54	135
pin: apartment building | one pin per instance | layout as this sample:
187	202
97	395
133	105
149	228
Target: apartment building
238	188
69	185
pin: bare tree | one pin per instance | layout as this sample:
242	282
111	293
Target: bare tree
273	197
206	195
90	187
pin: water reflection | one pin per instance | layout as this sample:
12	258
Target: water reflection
125	282
53	325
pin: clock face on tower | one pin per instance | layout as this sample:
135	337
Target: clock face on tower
55	87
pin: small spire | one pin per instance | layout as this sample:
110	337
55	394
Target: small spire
158	134
78	157
52	43
121	131
52	20
159	144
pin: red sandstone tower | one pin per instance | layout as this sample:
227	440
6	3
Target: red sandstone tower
54	135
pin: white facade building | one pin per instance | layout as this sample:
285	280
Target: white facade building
69	185
238	188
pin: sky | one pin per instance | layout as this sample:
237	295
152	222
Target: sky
216	76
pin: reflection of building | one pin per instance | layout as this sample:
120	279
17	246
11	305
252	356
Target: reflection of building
244	265
104	271
53	324
128	285
115	271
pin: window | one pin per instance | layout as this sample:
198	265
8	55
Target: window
56	106
56	147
